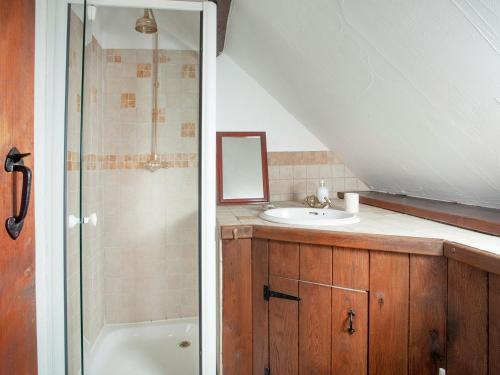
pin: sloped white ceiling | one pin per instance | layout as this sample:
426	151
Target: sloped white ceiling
406	92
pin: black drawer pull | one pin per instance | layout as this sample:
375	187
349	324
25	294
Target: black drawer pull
351	313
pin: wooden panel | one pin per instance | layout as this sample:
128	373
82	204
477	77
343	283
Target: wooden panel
349	352
398	244
283	329
351	268
427	347
284	259
494	324
260	318
389	292
484	260
480	219
234	232
314	329
18	350
237	307
467	347
316	263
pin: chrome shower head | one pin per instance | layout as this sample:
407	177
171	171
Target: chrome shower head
147	23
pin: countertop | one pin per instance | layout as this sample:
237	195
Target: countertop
373	220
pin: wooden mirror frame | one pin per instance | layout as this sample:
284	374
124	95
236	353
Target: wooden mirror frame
265	178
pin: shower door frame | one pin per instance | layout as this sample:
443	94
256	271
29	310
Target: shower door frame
50	97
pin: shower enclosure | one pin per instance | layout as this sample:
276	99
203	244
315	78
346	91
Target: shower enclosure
139	255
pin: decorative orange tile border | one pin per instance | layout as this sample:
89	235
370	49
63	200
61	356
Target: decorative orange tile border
298	157
129	161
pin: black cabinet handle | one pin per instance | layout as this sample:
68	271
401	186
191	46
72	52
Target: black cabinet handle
14	163
351	313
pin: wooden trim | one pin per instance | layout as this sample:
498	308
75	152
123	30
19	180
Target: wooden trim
398	244
237	351
265	177
481	219
234	232
494	323
481	259
260	313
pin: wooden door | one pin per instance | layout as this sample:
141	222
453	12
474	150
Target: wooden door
312	336
17	257
349	332
283	328
315	318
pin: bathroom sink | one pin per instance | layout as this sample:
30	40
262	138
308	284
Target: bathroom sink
309	216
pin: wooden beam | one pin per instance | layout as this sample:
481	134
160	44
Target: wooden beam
481	219
223	7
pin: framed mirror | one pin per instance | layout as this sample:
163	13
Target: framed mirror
242	167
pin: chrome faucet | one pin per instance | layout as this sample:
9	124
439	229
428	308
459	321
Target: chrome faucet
314	202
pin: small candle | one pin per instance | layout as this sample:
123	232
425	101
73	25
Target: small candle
351	202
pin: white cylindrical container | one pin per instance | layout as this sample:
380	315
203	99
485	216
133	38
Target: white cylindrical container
322	192
351	202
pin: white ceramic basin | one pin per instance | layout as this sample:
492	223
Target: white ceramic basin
309	216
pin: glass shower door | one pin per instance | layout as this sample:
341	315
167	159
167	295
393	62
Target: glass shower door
133	189
72	207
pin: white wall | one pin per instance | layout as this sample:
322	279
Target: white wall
243	105
405	92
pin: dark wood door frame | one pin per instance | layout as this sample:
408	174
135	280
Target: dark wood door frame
18	350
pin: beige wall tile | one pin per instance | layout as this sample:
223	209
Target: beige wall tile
312	171
299	172
351	184
348	173
339	184
274	172
286	172
325	171
338	170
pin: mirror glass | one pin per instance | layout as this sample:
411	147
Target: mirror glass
242	167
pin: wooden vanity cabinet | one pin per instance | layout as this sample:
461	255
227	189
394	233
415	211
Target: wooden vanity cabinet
288	307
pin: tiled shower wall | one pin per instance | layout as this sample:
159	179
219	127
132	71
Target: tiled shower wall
294	175
150	219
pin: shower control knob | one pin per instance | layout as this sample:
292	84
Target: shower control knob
73	221
92	219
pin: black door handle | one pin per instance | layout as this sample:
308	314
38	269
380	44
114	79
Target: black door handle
14	163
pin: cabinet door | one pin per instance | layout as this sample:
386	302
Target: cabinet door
283	328
315	327
349	348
